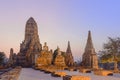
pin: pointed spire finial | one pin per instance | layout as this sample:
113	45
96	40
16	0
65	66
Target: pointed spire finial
69	58
57	47
89	34
31	20
68	42
31	17
11	50
68	48
89	44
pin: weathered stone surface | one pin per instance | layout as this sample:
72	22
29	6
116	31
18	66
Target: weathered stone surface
76	77
45	57
71	68
31	44
49	70
69	58
103	72
59	74
85	70
89	59
12	74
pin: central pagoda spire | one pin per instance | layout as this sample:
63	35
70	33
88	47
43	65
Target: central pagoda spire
31	44
31	30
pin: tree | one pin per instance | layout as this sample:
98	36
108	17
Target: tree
2	58
112	50
56	53
105	57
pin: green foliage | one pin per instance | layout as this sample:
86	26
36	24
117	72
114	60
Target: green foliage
111	50
56	53
63	54
54	56
113	46
107	58
2	57
118	56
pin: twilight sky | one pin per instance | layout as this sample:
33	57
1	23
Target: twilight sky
60	21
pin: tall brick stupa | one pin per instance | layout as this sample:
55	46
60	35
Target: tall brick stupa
89	58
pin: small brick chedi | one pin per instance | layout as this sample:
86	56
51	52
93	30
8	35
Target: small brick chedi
30	46
69	58
45	57
12	58
89	58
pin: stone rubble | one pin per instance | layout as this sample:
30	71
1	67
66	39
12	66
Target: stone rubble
12	74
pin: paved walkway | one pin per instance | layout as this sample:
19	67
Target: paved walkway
31	74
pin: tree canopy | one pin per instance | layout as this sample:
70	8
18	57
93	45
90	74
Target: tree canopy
111	50
56	53
2	57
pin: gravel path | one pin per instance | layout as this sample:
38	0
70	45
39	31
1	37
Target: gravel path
31	74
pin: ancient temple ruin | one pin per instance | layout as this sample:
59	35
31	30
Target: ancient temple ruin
30	46
12	58
89	58
69	58
45	57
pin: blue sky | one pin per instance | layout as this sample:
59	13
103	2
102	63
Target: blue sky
60	21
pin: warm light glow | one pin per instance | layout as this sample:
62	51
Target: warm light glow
59	21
